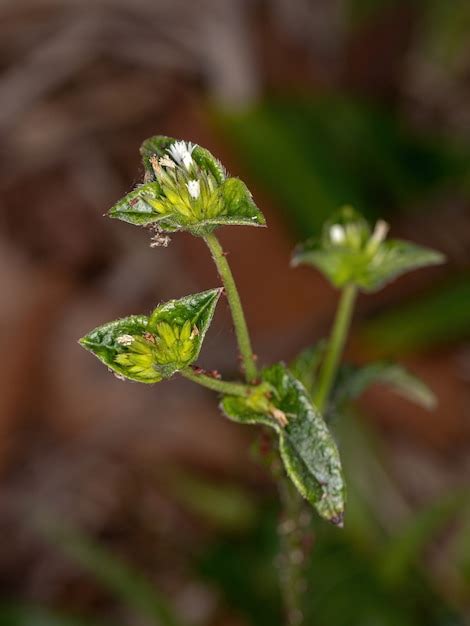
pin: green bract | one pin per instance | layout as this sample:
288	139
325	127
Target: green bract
149	349
186	188
307	447
349	253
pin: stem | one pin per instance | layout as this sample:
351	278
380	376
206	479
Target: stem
292	555
294	534
241	329
221	386
335	346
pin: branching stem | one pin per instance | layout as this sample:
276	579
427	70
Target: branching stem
220	386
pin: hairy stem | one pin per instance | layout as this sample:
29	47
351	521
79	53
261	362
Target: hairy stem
241	329
293	536
335	346
221	386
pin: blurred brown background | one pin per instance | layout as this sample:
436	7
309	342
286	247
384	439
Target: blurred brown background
313	103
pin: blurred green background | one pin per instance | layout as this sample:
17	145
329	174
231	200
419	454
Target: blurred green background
126	505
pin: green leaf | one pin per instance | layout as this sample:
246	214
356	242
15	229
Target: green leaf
307	448
349	253
136	207
186	188
353	381
148	350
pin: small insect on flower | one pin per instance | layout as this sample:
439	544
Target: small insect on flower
125	340
181	152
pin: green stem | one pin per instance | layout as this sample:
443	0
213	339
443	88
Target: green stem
241	329
221	386
335	346
292	535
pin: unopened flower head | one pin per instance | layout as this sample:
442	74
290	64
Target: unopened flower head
181	153
194	189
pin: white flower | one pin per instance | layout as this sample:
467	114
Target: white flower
125	340
194	189
337	233
181	152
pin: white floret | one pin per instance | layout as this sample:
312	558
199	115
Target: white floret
194	189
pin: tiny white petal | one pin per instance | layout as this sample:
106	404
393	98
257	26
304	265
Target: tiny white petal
181	152
194	189
337	233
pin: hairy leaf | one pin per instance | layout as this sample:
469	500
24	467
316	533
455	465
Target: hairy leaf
306	445
150	349
186	188
349	253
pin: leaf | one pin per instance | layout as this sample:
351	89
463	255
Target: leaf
186	188
150	349
135	208
307	448
106	343
353	381
349	253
